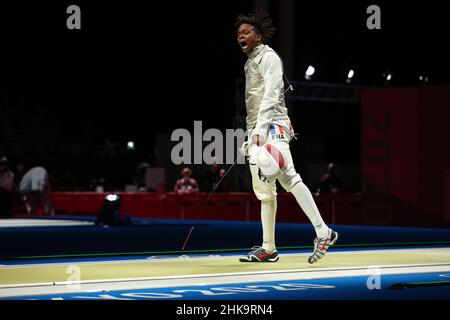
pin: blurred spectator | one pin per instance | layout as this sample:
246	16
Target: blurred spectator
220	183
213	176
35	188
6	188
330	182
186	184
140	178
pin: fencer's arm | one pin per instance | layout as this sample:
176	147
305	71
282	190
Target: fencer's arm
272	72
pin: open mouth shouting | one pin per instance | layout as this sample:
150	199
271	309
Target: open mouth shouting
244	46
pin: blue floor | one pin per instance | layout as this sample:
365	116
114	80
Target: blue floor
348	288
162	236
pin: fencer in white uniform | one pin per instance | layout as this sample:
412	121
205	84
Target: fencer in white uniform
269	134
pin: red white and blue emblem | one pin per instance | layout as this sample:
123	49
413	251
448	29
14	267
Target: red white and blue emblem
277	132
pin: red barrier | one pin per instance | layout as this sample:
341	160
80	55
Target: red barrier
343	208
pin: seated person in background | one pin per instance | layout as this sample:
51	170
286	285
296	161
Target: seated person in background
221	186
330	182
35	188
140	177
214	176
186	184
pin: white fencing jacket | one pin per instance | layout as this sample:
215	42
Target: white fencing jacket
264	91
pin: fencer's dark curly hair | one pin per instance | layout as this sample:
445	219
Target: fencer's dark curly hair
261	21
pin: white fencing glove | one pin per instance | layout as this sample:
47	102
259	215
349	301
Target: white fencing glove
269	159
244	150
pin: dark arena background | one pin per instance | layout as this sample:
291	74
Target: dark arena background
95	106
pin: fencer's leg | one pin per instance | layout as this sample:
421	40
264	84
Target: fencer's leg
268	215
266	192
306	202
291	181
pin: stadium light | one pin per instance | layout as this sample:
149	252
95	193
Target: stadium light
387	77
350	75
112	197
309	72
130	145
108	215
423	79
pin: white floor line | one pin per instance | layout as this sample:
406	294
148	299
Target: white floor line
11	223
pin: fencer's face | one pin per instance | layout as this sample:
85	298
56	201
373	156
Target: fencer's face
247	37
